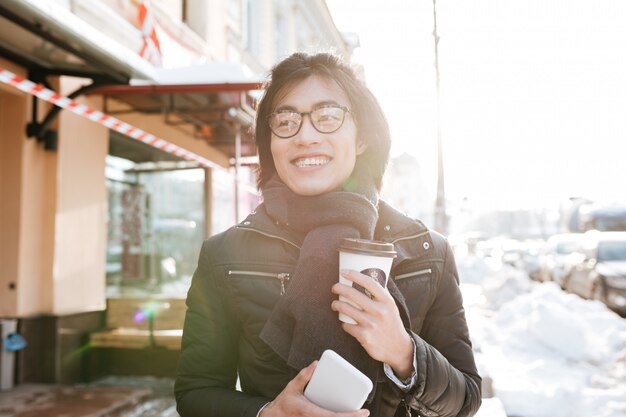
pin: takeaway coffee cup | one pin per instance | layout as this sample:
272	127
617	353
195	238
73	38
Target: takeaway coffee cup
369	257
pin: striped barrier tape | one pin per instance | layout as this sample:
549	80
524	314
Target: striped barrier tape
106	120
151	49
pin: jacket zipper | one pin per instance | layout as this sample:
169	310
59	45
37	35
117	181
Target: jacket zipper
414	274
410	237
283	277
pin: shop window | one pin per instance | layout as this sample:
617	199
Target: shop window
155	228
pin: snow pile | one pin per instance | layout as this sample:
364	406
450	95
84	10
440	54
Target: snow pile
491	407
499	283
475	269
549	353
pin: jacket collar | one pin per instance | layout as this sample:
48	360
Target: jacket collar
260	221
392	225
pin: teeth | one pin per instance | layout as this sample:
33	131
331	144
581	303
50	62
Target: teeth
311	162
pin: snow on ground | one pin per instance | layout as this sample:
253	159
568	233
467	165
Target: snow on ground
548	353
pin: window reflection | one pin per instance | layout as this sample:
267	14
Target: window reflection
155	228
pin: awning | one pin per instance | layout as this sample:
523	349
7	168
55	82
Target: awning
212	102
41	92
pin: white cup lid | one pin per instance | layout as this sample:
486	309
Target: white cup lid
367	247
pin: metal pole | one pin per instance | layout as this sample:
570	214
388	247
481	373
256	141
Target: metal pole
441	219
208	203
237	165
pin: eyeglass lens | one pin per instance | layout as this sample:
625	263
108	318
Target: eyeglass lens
326	119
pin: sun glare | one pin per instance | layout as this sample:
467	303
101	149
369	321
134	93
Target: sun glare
532	94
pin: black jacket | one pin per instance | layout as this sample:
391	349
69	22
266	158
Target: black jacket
242	273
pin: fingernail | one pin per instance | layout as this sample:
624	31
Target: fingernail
344	272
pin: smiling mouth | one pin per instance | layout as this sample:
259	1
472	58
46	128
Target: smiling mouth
311	162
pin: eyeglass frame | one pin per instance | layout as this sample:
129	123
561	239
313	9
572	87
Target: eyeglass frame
345	110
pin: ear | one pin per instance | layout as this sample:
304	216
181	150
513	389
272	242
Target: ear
360	147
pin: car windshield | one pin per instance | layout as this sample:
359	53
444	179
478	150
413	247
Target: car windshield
612	251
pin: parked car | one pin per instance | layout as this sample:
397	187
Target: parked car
506	250
531	255
601	275
604	218
562	251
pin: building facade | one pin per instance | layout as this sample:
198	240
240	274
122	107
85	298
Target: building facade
87	212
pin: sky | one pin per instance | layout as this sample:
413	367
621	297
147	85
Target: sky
532	95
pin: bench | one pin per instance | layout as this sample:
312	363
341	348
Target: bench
139	323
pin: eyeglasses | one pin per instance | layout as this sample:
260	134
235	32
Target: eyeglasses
326	119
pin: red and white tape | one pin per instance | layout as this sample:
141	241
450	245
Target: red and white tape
151	49
110	122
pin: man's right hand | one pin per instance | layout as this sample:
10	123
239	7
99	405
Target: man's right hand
292	402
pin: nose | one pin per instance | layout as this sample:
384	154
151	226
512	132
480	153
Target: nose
307	135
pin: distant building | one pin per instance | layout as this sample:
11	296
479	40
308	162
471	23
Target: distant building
405	188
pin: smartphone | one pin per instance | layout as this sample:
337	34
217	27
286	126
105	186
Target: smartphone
337	385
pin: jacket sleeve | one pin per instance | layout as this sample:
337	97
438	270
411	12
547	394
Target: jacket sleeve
207	368
447	383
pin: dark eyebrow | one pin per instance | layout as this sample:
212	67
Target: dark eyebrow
285	108
326	103
315	106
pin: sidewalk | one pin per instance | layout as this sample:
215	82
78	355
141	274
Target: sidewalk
111	397
119	397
